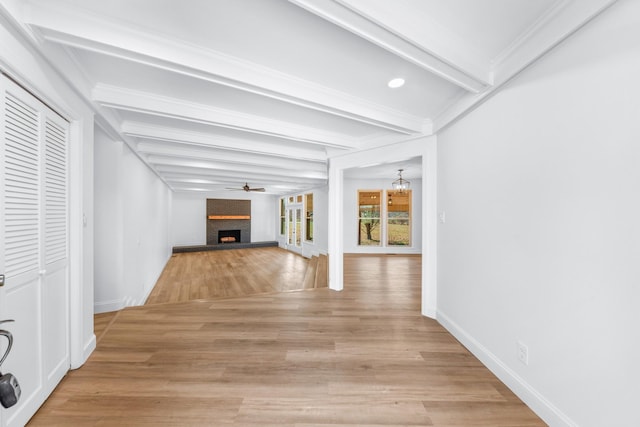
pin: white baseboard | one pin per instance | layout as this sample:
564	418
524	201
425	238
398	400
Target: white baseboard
87	349
315	254
530	396
430	312
107	306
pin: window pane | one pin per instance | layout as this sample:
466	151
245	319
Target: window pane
290	237
282	217
369	211
308	208
398	232
369	234
298	227
369	218
369	204
399	218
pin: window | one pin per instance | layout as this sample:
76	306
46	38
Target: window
282	217
308	209
384	221
399	218
369	218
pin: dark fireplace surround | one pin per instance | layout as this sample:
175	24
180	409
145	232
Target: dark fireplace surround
228	218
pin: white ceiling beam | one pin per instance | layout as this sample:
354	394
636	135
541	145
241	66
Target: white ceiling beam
199	164
286	148
553	28
235	176
414	37
86	31
270	190
188	179
131	100
269	185
233	157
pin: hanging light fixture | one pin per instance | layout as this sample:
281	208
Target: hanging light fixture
400	184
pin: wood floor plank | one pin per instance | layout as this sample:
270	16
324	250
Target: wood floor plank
229	273
322	273
310	275
364	356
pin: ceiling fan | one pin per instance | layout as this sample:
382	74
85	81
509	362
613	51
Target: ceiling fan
246	188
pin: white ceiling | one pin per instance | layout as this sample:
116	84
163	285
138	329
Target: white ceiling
215	93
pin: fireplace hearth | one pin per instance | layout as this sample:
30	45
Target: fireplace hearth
229	236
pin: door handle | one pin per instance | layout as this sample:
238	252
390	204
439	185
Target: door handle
1	280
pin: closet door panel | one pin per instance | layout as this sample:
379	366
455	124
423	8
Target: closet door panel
34	233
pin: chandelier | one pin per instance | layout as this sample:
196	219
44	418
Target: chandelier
400	184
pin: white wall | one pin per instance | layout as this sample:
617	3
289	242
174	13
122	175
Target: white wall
109	262
541	188
320	223
133	213
189	216
351	187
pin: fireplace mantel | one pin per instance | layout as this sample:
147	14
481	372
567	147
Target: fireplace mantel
229	217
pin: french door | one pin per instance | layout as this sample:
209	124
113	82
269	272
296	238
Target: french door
34	232
294	228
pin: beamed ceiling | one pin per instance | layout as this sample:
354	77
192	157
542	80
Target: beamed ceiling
211	94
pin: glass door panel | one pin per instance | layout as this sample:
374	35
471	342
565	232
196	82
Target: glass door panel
298	230
290	227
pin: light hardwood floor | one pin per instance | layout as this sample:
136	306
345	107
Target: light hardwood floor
228	273
361	357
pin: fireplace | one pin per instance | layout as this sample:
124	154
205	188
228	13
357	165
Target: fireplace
225	216
229	236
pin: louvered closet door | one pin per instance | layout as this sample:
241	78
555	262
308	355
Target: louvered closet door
34	257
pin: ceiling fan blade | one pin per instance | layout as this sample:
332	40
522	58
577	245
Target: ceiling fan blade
245	187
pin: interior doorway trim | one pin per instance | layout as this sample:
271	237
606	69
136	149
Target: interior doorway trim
425	147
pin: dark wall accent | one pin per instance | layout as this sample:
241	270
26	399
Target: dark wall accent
228	207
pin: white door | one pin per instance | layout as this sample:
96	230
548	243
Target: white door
294	229
34	254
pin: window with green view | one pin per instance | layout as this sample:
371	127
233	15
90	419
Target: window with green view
399	218
369	218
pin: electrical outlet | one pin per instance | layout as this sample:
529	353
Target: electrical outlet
523	353
443	217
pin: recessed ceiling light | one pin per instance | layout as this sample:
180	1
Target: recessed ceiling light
396	83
